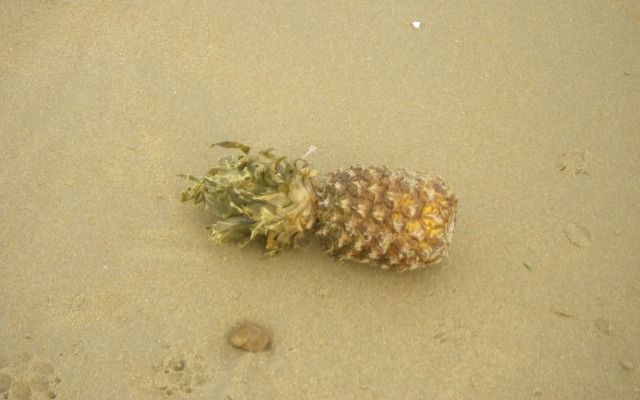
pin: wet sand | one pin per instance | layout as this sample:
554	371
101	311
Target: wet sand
111	288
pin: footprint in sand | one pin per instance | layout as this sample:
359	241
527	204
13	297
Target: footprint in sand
180	373
28	377
574	162
578	235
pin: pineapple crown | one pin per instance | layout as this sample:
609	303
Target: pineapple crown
257	195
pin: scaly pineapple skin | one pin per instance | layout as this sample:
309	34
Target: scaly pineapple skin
391	218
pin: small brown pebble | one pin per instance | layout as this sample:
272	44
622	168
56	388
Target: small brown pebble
250	337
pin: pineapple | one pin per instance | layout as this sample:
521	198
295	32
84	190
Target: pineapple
391	218
257	195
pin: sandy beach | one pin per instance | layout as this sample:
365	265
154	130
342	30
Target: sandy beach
112	288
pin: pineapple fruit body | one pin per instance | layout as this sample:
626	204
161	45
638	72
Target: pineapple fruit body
392	218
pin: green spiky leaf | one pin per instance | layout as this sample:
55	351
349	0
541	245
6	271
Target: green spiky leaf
257	195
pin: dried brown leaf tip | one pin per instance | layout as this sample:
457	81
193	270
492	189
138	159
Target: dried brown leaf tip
393	218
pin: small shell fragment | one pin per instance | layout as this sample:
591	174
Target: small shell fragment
250	337
312	149
416	24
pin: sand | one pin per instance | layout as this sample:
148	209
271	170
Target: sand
111	288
